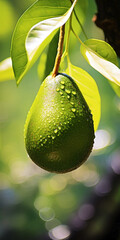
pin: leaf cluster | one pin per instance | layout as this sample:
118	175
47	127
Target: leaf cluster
38	28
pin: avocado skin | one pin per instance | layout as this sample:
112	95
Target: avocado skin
59	132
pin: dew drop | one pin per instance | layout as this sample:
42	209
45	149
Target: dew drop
61	93
74	93
67	91
62	87
55	131
45	140
68	97
62	82
57	89
73	110
53	137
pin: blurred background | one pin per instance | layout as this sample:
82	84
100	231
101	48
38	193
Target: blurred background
37	205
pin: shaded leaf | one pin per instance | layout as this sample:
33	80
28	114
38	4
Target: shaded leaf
116	88
78	19
101	56
51	55
42	66
88	87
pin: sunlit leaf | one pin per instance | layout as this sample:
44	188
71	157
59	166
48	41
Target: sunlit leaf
6	71
101	56
89	89
34	31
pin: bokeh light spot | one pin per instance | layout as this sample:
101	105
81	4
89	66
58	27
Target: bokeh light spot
103	138
46	214
60	232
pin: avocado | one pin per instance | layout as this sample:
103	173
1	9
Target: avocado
59	131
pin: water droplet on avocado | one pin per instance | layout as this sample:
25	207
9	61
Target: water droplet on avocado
55	131
62	87
74	93
62	82
67	91
73	110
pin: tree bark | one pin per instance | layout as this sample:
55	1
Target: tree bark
108	19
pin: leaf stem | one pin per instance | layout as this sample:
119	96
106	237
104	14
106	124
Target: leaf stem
68	36
59	51
76	35
65	54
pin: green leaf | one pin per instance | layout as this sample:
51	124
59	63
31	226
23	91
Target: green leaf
42	66
6	71
101	56
51	54
78	18
116	88
34	31
88	87
81	9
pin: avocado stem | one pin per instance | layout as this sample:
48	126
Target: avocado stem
59	51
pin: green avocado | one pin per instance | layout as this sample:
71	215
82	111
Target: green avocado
59	132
